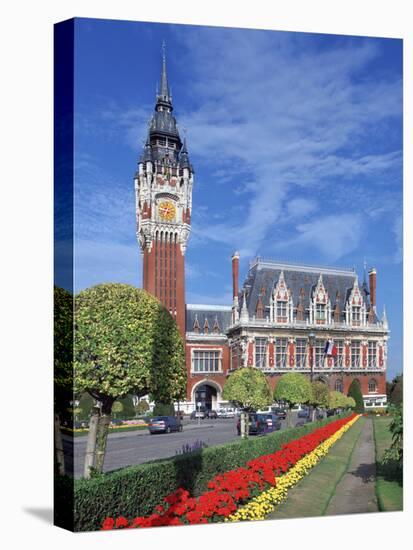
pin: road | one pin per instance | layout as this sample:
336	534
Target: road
125	449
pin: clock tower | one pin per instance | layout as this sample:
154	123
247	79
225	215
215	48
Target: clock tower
163	189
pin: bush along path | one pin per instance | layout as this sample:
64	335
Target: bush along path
389	484
245	493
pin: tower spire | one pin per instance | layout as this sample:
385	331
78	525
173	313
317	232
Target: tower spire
164	95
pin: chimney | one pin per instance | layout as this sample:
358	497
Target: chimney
235	273
372	285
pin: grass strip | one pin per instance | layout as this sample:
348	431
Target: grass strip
311	496
389	491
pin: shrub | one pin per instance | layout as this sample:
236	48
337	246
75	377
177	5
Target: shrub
164	409
136	490
354	391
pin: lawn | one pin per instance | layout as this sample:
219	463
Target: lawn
389	489
312	495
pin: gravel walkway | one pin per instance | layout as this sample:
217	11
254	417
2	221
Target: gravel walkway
355	492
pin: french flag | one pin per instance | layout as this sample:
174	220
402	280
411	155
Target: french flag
330	348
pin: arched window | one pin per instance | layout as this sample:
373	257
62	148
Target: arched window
372	386
338	386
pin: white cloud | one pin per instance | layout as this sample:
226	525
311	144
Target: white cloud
331	237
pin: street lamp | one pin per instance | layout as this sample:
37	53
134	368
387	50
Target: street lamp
311	339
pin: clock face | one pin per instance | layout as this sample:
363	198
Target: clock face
167	211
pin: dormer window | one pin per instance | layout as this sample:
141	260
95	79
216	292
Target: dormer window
281	311
281	304
320	306
320	314
356	315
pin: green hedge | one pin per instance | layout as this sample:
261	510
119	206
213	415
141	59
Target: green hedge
136	490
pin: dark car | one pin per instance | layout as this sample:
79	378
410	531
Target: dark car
164	424
331	412
281	413
211	414
304	413
259	424
273	422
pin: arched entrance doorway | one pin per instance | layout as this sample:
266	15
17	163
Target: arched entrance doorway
207	395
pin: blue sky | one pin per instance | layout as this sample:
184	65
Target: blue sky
296	141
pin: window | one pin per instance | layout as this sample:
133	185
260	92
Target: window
300	352
355	354
372	386
281	352
339	358
356	315
206	360
372	354
261	352
319	353
281	311
338	386
235	357
320	313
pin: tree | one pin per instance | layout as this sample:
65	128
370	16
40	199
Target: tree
319	395
164	409
63	368
354	391
248	389
351	404
125	342
396	391
86	403
128	407
117	408
337	400
293	388
142	407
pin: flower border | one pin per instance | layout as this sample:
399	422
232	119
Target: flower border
265	480
259	507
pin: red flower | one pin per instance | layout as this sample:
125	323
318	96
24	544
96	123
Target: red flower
121	522
108	523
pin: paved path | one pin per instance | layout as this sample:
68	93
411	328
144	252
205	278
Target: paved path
355	492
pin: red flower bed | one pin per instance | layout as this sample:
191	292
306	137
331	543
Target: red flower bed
229	490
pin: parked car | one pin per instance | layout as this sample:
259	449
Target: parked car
260	424
303	413
197	414
226	413
211	414
273	421
164	424
331	412
281	413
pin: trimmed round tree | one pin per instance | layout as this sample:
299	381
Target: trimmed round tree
125	342
354	391
350	403
337	400
319	396
293	388
248	389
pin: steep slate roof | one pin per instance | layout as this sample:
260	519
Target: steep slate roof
209	312
263	276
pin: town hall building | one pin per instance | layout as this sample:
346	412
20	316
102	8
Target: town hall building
320	321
